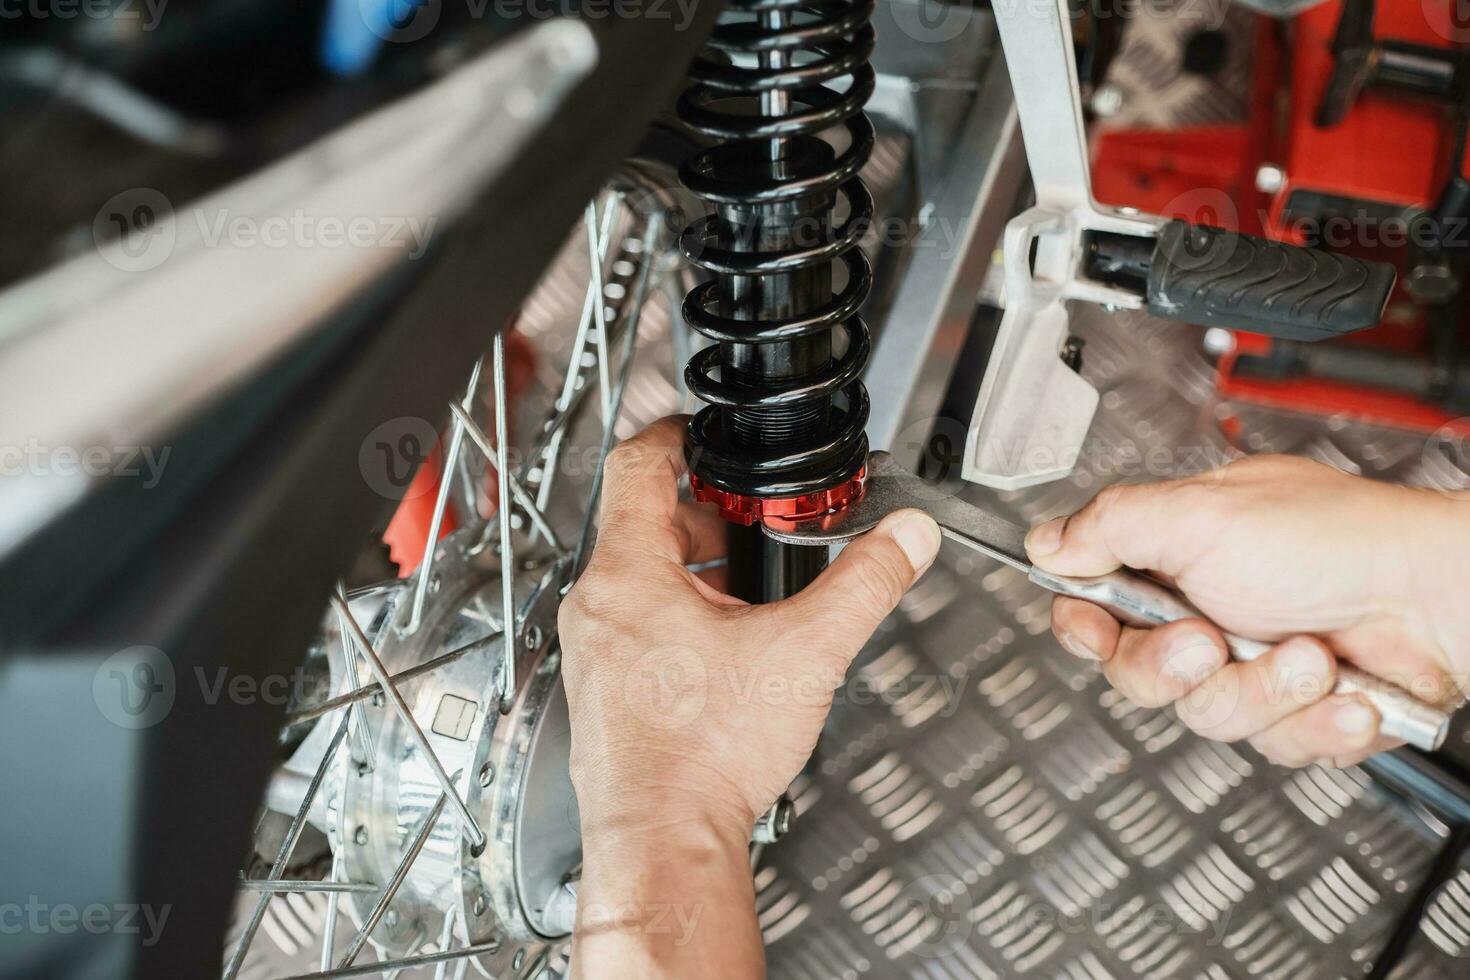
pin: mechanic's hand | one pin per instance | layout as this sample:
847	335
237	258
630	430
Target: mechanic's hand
1280	549
687	704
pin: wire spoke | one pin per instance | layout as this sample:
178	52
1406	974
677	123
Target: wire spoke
329	920
518	493
599	313
357	729
420	838
507	547
570	395
417	941
406	963
451	461
407	674
446	934
278	866
288	885
467	823
651	230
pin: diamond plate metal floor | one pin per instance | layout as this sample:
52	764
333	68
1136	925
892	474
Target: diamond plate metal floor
984	805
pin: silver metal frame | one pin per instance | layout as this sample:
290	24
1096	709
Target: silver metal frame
1034	411
954	102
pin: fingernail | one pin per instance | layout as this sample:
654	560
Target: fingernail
918	536
1044	539
1305	668
1076	647
1191	658
1357	720
1303	658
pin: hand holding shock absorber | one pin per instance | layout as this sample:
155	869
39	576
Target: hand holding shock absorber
692	711
784	428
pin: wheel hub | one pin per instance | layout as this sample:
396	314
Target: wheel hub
511	769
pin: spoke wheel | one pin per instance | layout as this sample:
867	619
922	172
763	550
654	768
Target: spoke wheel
423	817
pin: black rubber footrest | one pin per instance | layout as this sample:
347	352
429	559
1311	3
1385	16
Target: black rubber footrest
1214	277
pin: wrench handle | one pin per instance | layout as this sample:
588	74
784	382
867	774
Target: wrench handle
1140	601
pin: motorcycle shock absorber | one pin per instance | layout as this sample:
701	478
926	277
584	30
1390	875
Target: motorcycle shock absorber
779	90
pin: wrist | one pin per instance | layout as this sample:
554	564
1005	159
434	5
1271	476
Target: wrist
663	800
1457	553
665	900
657	830
1434	564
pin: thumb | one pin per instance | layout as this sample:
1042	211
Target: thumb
1123	525
866	581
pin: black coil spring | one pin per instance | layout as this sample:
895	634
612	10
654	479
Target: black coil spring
791	435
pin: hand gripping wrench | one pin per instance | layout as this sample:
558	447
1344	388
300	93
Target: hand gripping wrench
1133	598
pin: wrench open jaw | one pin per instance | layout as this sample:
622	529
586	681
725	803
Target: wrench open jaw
889	487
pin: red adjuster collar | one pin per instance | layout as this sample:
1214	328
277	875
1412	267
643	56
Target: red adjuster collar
779	512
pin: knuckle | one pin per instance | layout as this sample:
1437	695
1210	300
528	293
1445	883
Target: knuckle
1280	750
1213	714
1150	696
1136	686
1193	499
1110	496
1225	699
631	461
590	604
622	466
1247	470
1105	507
1115	513
882	580
620	459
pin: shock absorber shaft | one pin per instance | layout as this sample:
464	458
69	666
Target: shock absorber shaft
781	88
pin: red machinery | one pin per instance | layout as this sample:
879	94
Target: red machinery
1356	116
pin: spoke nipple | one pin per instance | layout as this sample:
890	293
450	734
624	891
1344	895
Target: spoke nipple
487	774
775	823
360	835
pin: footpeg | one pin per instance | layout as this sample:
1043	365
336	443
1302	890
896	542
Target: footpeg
1218	278
1034	410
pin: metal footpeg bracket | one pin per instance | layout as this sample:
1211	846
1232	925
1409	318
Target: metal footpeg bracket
1034	409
